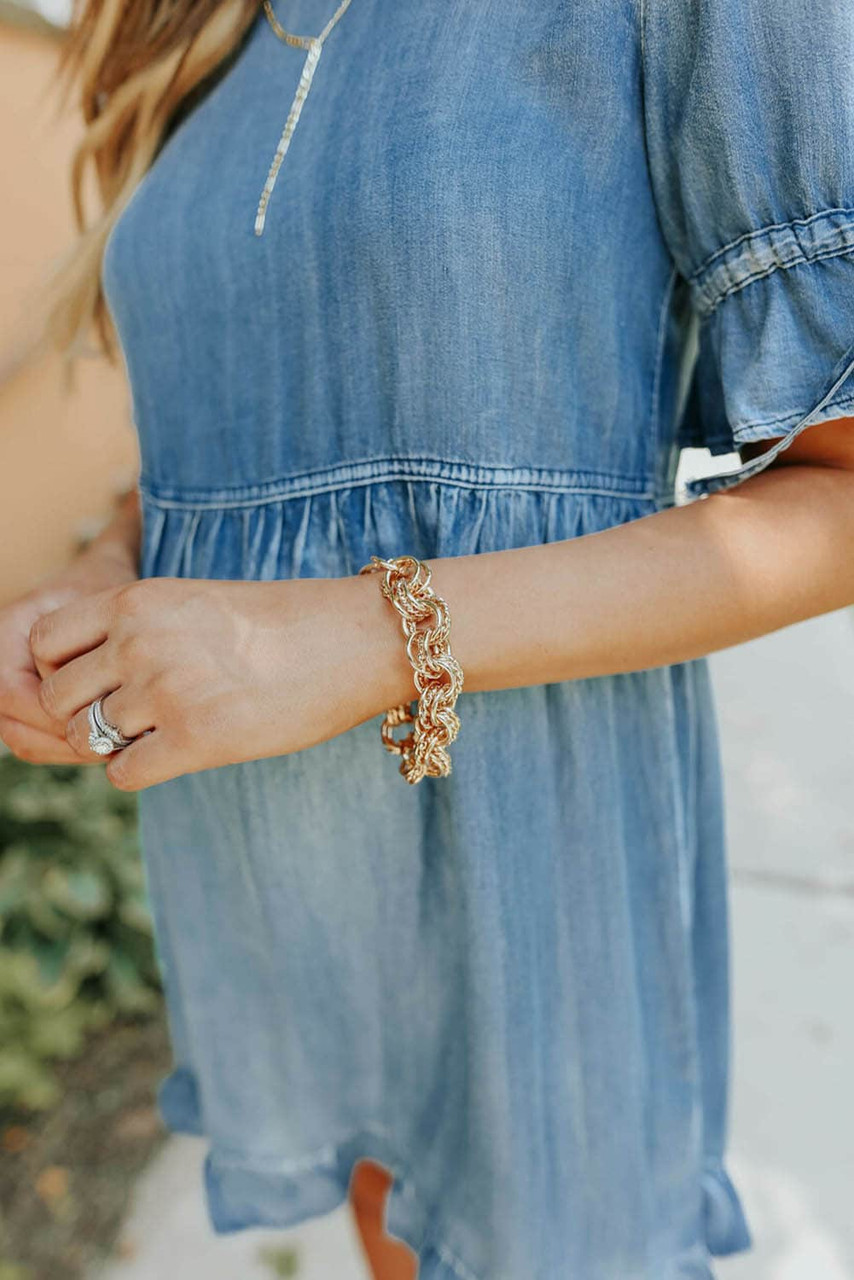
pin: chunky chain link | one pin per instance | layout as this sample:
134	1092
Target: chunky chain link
438	676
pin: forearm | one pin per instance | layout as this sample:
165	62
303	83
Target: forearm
228	671
666	588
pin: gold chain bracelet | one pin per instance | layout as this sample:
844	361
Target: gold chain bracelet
438	675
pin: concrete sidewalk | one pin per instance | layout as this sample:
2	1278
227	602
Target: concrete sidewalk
786	707
786	710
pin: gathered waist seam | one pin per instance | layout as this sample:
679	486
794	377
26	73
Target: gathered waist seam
378	470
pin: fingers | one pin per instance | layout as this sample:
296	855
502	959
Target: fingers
19	700
34	745
121	708
149	760
74	629
76	684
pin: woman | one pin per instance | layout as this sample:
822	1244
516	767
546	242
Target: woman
510	260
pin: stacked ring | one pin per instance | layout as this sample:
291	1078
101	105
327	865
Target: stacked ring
104	737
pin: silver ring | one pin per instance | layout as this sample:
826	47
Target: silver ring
104	737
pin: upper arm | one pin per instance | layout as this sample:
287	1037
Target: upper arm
828	444
749	119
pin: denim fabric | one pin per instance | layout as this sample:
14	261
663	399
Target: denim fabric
518	256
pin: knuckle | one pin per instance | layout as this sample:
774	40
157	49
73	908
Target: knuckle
125	602
133	598
38	636
74	738
48	699
135	648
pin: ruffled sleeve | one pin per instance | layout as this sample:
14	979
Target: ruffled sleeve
749	117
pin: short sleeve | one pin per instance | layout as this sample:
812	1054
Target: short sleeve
749	122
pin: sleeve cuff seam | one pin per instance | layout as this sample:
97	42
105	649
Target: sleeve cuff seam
746	432
823	409
758	254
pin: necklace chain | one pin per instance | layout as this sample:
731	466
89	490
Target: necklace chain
301	42
313	46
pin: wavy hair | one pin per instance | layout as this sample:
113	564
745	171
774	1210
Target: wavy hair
137	66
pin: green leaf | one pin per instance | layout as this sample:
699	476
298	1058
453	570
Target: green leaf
25	1081
61	1034
76	945
83	893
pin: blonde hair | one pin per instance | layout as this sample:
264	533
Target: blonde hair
136	65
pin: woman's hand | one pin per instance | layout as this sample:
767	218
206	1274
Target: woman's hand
208	673
24	727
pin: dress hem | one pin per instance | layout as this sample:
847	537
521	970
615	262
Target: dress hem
242	1192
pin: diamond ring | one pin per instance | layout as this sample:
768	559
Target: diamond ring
104	737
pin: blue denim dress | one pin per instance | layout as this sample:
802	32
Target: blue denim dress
518	256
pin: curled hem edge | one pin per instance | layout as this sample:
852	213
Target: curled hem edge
240	1195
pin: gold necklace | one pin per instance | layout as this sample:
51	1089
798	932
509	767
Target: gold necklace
313	45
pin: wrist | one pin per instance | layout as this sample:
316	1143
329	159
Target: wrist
378	646
405	583
380	625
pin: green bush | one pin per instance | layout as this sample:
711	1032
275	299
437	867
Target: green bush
76	947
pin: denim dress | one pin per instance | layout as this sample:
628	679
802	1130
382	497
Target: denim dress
518	256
